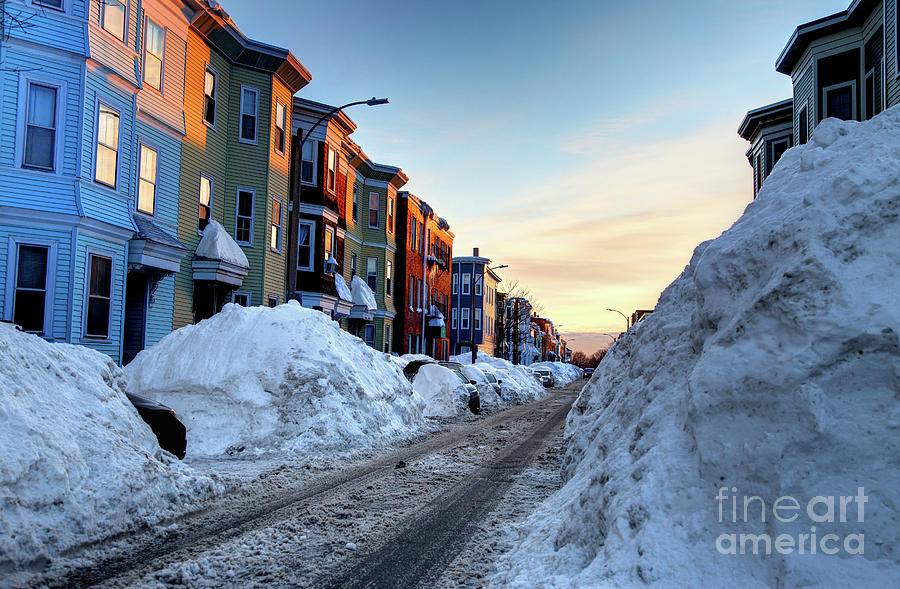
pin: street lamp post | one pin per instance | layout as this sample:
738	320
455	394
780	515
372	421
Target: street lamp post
294	228
475	278
623	315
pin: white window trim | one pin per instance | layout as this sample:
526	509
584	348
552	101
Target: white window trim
466	287
377	210
827	89
280	226
478	315
284	128
330	238
314	148
353	265
454	285
328	151
464	318
241	139
90	251
215	73
137	176
237	193
390	219
478	286
387	338
388	278
12	268
454	320
375	290
354	212
803	112
212	186
63	9
118	111
312	246
126	25
246	293
25	79
162	65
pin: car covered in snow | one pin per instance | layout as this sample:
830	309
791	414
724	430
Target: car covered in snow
474	398
544	376
170	432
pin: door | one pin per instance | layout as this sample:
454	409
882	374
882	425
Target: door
135	315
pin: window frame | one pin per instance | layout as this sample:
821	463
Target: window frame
388	277
411	296
454	319
12	271
377	209
387	338
237	215
355	201
145	51
331	169
282	128
42	4
273	227
371	343
212	184
314	152
330	243
26	80
454	283
803	129
374	274
215	96
241	113
272	299
104	103
126	5
464	318
143	144
853	105
91	253
353	266
478	314
242	293
466	285
390	214
312	246
478	284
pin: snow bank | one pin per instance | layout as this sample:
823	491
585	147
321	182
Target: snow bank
562	373
77	463
281	380
518	386
444	393
341	287
771	367
216	244
486	392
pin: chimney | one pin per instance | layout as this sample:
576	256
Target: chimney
475	251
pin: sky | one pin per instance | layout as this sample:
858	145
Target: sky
588	145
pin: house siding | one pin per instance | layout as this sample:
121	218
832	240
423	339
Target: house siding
279	187
892	72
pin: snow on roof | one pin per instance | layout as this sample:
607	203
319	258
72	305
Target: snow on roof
218	245
341	286
362	294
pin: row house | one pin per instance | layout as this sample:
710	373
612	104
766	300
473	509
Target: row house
423	295
846	65
473	301
131	126
521	336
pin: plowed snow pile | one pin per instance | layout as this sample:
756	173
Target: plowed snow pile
285	380
770	368
518	386
563	373
77	463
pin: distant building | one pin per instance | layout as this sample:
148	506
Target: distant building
473	303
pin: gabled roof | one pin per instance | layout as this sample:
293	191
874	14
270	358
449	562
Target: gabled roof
854	16
777	112
215	25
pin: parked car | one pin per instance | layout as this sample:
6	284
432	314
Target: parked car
170	432
492	378
474	398
587	373
412	368
544	376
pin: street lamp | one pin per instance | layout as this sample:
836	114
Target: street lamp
475	278
623	315
294	228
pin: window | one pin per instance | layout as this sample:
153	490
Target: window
154	54
390	218
113	18
280	125
210	92
373	209
40	127
147	180
205	212
241	298
308	162
759	172
454	288
275	235
413	232
352	264
107	146
464	322
387	339
466	279
304	244
249	113
840	100
369	335
803	126
332	170
388	276
30	297
355	202
778	148
99	296
372	273
412	291
478	280
453	319
243	217
272	301
58	4
418	294
477	319
329	242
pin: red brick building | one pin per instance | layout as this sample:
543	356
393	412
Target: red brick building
424	251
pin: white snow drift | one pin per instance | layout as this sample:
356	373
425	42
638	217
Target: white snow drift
284	380
770	368
77	463
562	373
518	386
445	394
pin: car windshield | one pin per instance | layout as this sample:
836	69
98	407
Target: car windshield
490	377
543	372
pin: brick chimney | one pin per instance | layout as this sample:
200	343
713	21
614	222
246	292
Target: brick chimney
475	251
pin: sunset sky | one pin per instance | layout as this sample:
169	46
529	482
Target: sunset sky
589	145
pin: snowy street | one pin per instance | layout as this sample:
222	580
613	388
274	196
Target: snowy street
433	512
